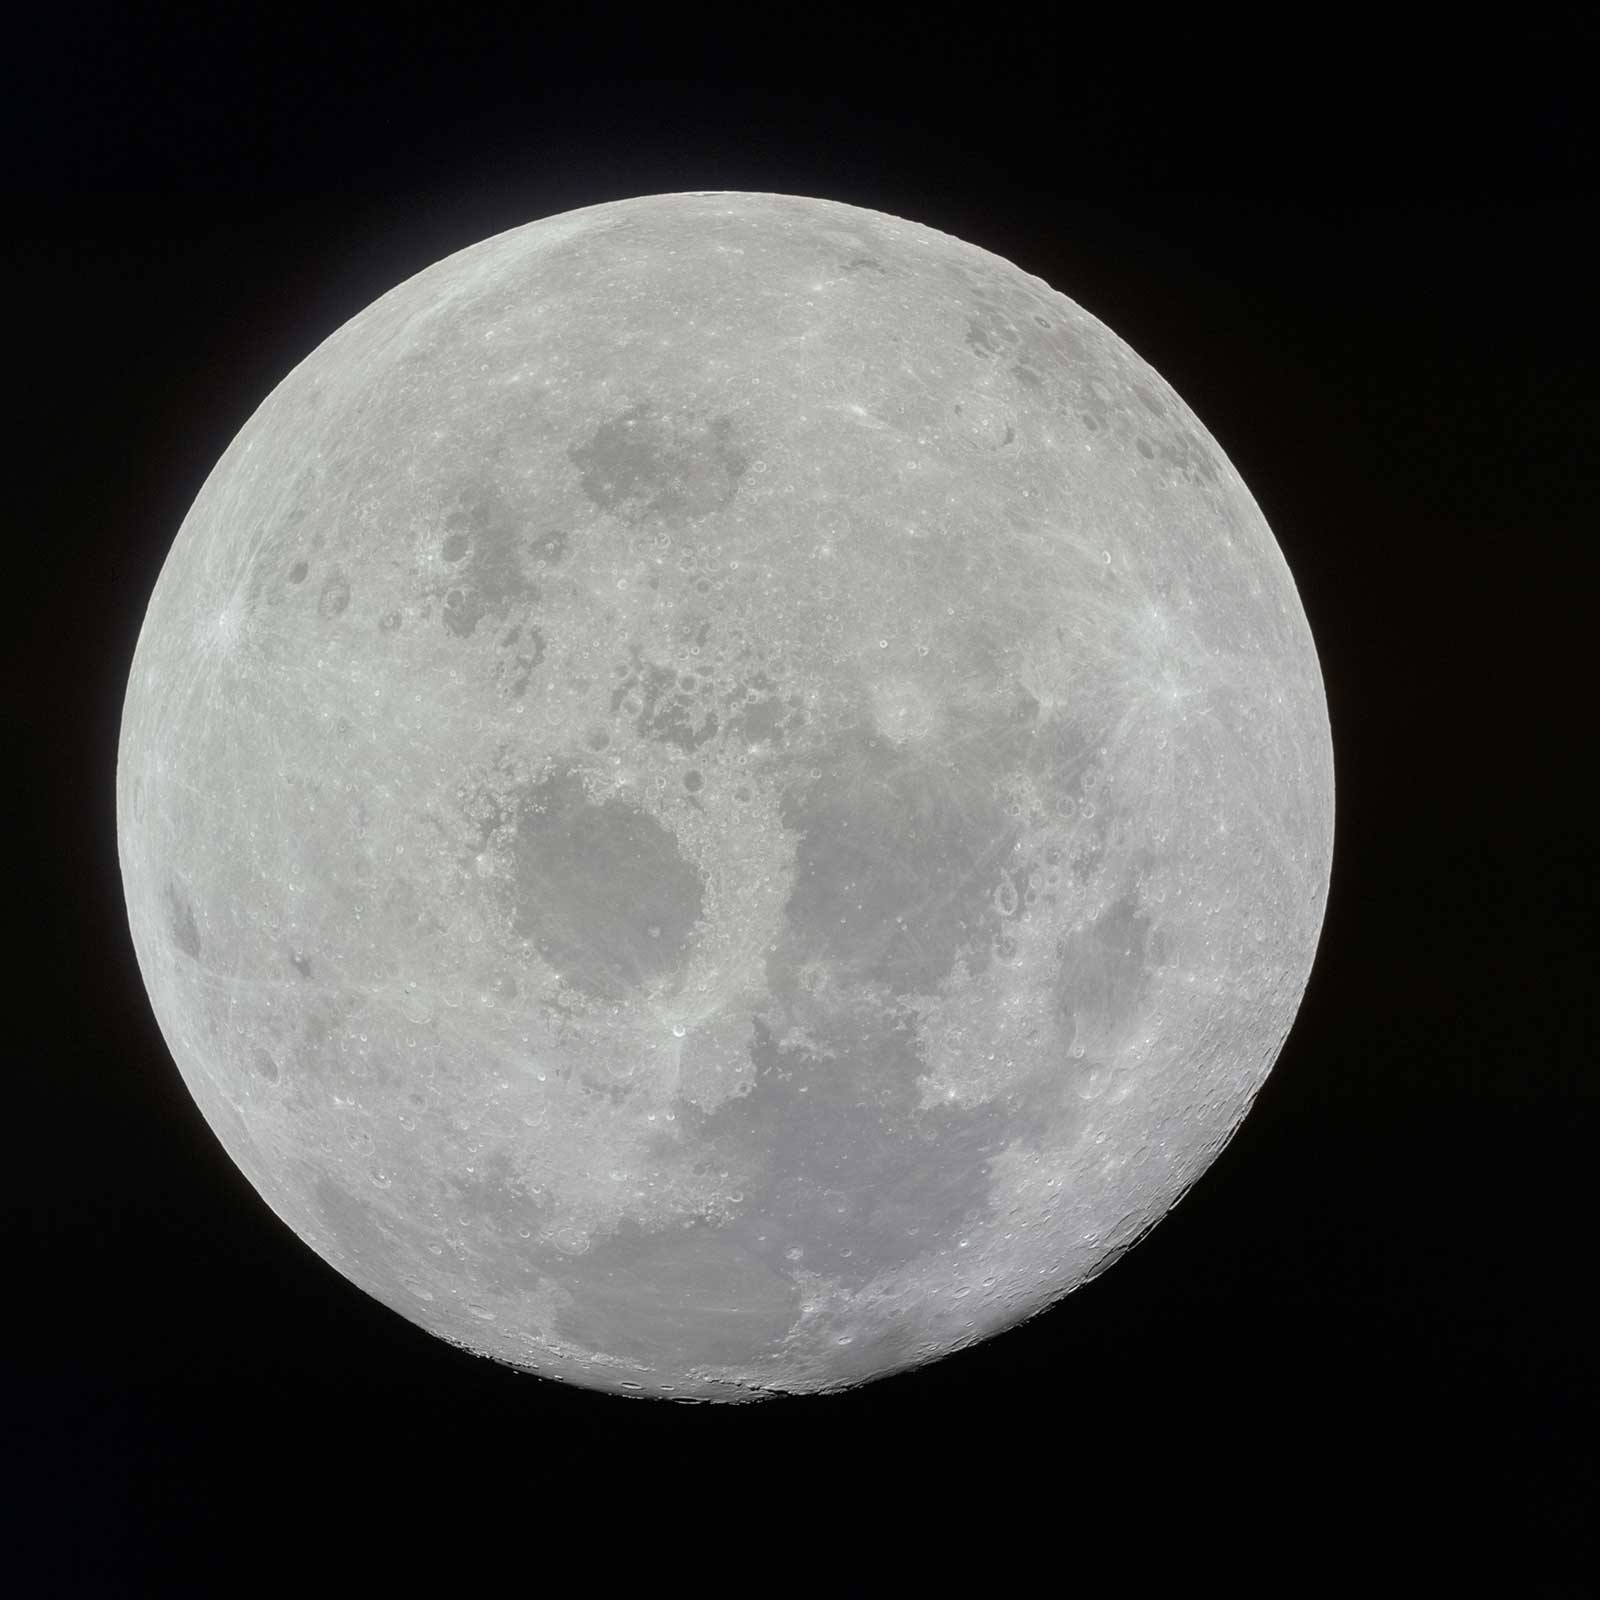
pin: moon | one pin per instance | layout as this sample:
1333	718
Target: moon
723	794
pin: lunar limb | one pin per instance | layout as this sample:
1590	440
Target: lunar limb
723	794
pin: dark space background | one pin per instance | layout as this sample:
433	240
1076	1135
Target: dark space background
1362	1350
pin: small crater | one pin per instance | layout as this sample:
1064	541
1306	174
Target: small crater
903	711
549	548
389	622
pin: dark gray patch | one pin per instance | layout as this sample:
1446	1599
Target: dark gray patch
181	924
297	573
1191	456
592	881
1045	1108
644	464
763	719
522	648
865	264
1071	347
1059	754
897	861
334	600
300	963
1148	399
980	340
982	424
1104	971
1027	377
677	1300
989	333
355	1226
1142	445
491	1195
264	1065
849	1169
667	712
481	542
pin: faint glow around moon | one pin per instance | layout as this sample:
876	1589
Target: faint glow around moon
723	794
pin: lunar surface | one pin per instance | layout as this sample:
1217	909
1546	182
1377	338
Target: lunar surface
723	794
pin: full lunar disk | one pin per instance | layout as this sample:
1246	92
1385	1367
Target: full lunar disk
721	794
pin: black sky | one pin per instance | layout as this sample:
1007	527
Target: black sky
1364	1342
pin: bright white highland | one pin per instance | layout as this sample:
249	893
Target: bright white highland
723	794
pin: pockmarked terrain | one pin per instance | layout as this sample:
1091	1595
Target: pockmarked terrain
723	794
